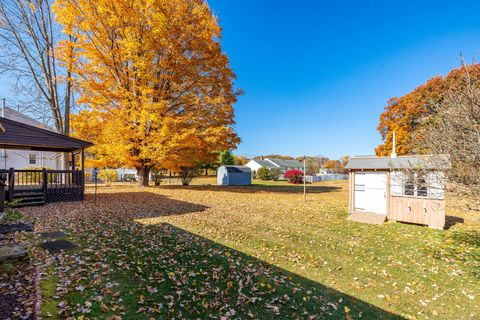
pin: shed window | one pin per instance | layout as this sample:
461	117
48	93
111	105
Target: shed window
32	159
421	186
415	185
410	184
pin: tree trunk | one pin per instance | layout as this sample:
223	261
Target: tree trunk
143	174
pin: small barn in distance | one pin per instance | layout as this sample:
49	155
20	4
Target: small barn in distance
234	176
406	188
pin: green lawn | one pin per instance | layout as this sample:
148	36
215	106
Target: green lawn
253	252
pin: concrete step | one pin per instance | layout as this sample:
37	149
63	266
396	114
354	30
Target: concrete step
16	227
14	252
366	217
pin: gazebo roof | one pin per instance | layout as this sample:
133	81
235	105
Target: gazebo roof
16	135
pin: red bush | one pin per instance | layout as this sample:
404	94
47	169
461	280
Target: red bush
294	176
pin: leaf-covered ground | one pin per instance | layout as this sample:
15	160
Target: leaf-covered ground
253	252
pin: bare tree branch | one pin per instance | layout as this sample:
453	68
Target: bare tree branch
28	39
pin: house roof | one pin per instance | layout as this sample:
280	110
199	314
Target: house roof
265	163
286	163
238	169
18	116
401	162
23	136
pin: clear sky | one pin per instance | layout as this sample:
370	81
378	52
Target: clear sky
317	74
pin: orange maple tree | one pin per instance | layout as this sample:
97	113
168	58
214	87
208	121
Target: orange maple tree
406	114
157	87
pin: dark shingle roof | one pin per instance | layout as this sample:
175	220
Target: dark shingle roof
286	163
265	163
238	169
402	162
20	135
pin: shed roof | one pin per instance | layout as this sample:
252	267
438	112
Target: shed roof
237	169
418	162
18	135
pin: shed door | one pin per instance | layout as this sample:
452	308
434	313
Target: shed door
370	192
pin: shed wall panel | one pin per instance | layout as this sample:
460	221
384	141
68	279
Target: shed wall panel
418	210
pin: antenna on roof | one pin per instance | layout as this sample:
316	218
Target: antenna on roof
394	146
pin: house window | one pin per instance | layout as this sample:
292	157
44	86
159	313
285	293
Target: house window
32	159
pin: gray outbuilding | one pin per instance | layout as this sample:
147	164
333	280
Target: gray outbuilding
234	176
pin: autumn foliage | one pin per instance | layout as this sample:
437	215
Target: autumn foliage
157	86
294	176
408	113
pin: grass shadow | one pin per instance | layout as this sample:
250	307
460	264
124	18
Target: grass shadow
451	221
286	294
147	204
169	272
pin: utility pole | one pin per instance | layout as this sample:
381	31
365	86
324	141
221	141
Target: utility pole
304	179
95	174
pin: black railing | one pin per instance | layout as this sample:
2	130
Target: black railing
55	185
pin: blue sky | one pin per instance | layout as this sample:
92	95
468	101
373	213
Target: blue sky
317	74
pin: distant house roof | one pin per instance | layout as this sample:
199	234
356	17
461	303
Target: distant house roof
18	116
265	163
237	169
23	136
401	162
285	163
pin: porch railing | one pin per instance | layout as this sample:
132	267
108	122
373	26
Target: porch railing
55	185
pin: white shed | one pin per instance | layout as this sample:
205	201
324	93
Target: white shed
406	188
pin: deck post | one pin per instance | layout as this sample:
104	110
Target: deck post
82	179
73	177
83	159
11	183
44	183
73	161
2	200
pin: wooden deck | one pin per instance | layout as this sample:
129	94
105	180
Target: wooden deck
37	187
365	217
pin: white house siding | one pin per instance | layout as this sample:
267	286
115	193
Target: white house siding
121	172
20	159
253	165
